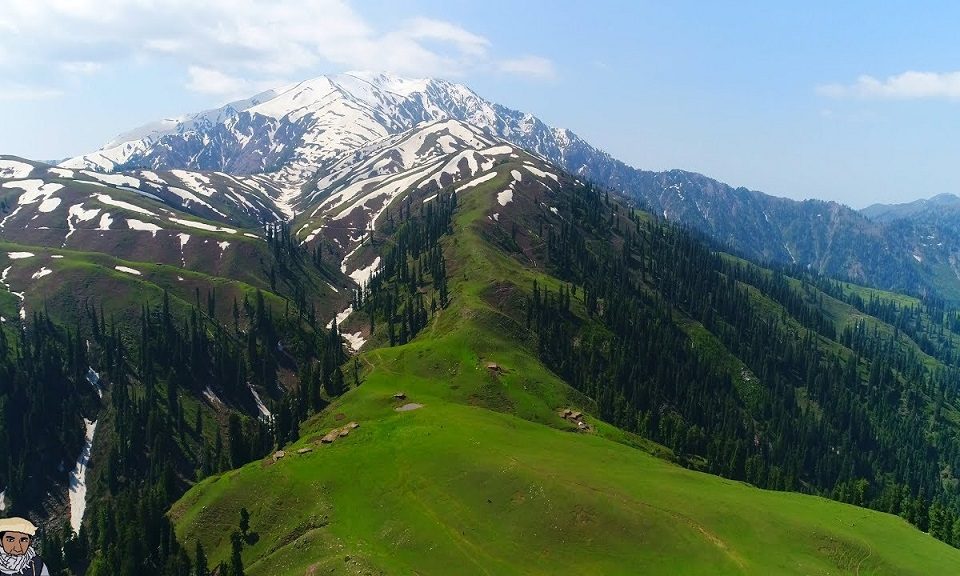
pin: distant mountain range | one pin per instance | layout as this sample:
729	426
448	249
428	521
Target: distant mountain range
292	134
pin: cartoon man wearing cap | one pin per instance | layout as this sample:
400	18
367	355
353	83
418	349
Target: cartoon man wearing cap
18	556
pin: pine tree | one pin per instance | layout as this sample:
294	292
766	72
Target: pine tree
244	521
236	560
200	561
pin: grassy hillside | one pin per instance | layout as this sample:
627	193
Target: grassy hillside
487	478
456	486
89	228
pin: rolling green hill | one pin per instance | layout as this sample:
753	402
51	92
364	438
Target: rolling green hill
487	477
451	488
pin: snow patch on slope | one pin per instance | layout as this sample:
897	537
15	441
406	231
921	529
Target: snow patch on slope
105	221
134	224
112	179
94	379
477	181
78	478
49	205
362	276
110	201
19	295
61	172
41	273
265	413
14	169
33	190
542	174
77	211
355	340
202	226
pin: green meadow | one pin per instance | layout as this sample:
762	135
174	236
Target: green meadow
460	488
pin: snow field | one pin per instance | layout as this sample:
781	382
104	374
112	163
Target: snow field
202	226
14	169
78	478
127	270
134	224
477	181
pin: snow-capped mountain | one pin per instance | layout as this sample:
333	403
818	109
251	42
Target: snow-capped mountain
293	137
354	182
118	152
290	131
357	188
182	222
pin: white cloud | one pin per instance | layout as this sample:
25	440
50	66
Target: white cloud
207	81
228	46
84	68
22	92
215	82
428	29
167	45
535	66
910	85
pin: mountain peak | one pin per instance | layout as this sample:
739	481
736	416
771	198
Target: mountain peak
386	81
889	212
292	131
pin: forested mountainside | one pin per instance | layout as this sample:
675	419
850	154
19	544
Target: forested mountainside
410	335
498	302
567	298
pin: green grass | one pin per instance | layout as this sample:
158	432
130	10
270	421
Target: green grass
866	293
79	277
486	478
459	489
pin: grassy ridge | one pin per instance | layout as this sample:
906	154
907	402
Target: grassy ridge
453	485
487	479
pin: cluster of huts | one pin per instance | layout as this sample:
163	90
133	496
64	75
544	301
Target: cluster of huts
576	418
328	439
342	432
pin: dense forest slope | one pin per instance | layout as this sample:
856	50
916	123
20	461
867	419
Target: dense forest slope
564	299
197	319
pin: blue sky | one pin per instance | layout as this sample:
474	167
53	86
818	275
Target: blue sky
854	101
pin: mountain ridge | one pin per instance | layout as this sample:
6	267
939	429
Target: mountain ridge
465	415
889	212
491	287
288	135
